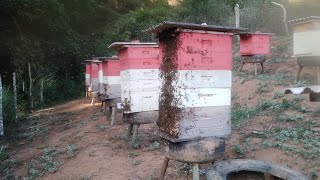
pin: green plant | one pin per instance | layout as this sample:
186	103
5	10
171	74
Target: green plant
287	118
262	88
71	150
239	150
3	154
102	126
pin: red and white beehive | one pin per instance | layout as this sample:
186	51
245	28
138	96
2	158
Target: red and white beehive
196	78
255	43
88	72
94	82
139	71
111	76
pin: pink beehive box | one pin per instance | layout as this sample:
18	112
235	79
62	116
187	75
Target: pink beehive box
139	65
255	44
88	72
111	76
94	82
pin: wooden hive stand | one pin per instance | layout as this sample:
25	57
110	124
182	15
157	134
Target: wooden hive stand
254	59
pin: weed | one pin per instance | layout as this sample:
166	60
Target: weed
137	142
313	175
71	150
43	165
278	95
132	154
102	126
3	154
238	149
262	88
287	118
240	114
153	146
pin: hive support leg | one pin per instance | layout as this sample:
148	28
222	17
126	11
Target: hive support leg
113	115
255	70
101	109
195	172
135	133
129	132
241	67
262	67
93	102
164	168
299	72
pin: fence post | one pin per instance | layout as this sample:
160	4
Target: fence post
284	16
15	96
237	15
1	112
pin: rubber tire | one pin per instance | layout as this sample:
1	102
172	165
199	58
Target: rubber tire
221	170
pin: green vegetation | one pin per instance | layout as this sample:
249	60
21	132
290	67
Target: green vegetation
239	114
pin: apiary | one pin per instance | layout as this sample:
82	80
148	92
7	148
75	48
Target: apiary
139	71
111	76
196	78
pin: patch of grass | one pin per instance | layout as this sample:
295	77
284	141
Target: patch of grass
280	79
288	118
239	150
71	150
153	146
137	142
278	95
42	165
102	126
239	114
3	154
261	88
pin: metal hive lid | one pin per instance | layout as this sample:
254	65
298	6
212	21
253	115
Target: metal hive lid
174	25
113	58
299	20
120	45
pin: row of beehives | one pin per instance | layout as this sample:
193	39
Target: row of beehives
191	74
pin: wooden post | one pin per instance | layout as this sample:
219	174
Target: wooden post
113	114
30	87
284	16
15	101
1	115
237	15
195	172
41	90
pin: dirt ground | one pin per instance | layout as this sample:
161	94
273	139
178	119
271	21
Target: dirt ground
75	141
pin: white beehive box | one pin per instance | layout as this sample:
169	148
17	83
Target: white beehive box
306	36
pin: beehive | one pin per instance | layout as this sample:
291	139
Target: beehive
88	72
94	83
139	72
306	36
111	76
254	43
195	71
